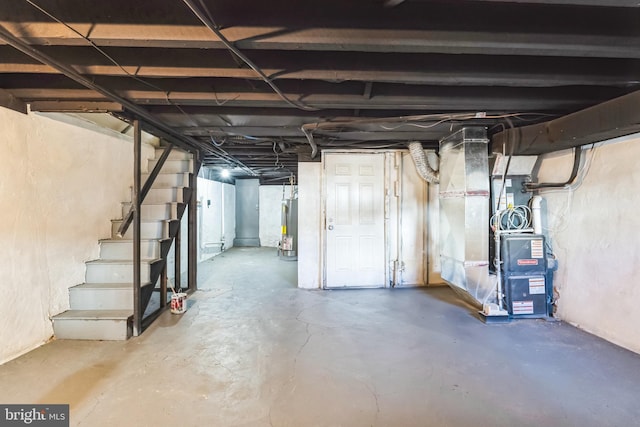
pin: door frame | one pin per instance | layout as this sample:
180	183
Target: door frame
323	216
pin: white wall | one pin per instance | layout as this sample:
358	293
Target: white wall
433	235
229	196
413	222
594	233
417	235
309	224
271	213
211	228
210	218
60	185
217	205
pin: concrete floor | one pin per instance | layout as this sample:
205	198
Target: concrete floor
252	350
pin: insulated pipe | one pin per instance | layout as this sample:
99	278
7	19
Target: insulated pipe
424	169
536	216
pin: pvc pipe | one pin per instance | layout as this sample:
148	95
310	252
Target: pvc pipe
498	261
536	215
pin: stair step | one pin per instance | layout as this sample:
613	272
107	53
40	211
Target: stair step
113	325
157	211
118	249
102	296
173	166
175	154
119	271
169	180
149	229
167	194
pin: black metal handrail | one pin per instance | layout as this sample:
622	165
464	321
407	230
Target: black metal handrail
139	193
126	221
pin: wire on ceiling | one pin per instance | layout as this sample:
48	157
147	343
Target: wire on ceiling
438	119
110	58
222	154
209	22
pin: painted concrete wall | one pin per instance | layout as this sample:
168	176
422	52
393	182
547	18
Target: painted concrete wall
309	224
417	235
229	196
594	233
433	235
406	221
413	223
210	217
247	212
216	223
60	185
271	213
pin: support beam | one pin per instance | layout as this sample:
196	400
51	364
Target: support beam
9	101
451	70
608	3
136	204
349	133
193	227
177	250
76	106
611	119
337	39
446	100
163	286
180	140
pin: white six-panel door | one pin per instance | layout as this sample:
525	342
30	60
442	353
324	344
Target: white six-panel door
354	226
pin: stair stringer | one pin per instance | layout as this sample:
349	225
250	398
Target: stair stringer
103	310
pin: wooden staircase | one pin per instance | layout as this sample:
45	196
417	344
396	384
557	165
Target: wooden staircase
101	308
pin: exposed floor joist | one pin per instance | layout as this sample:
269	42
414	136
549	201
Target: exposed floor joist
531	60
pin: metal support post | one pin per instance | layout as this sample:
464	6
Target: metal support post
163	286
136	203
177	245
193	227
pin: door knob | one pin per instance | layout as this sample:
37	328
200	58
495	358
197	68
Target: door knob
330	227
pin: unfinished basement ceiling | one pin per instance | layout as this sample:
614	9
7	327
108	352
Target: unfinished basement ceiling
356	74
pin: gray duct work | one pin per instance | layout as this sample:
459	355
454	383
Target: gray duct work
464	214
611	119
427	164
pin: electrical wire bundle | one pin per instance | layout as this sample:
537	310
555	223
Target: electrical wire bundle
512	218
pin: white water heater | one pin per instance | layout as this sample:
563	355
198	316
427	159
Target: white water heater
289	239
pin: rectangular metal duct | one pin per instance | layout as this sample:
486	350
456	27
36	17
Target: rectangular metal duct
611	119
464	213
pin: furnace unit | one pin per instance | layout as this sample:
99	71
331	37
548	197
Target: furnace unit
526	278
519	252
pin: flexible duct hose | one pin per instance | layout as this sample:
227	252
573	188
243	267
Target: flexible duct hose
425	164
433	160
